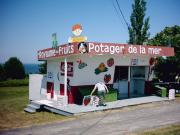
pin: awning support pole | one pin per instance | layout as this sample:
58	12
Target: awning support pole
65	82
129	80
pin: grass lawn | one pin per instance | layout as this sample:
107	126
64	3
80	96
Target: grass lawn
15	82
178	97
12	102
167	130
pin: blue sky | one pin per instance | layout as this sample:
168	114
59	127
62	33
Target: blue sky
26	25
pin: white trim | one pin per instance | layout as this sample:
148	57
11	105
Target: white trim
65	81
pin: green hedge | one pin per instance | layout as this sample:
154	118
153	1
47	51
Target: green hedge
85	90
109	97
14	83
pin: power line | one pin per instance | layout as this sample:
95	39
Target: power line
118	14
122	14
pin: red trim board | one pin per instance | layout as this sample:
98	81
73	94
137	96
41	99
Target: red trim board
94	48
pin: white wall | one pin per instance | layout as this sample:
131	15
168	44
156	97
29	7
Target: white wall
53	66
37	86
86	76
53	73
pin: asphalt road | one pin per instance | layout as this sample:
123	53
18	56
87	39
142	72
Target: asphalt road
116	122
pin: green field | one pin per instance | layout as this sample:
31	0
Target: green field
15	82
12	102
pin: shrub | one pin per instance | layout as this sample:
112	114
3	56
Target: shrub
43	68
14	68
2	73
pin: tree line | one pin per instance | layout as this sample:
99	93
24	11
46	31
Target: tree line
12	69
166	69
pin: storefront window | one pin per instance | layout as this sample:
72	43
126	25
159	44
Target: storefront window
138	72
121	73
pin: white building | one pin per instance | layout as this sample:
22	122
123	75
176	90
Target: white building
127	68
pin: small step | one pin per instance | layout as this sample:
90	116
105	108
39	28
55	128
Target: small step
29	110
35	104
33	107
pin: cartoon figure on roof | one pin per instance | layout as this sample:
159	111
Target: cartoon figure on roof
77	38
82	47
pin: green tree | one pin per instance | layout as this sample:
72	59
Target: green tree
168	68
138	31
2	73
43	68
14	68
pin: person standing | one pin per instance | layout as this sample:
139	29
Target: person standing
102	89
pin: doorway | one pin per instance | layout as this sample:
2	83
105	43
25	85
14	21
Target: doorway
121	81
50	88
137	82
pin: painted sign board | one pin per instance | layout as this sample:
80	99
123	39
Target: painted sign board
106	48
134	62
69	68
